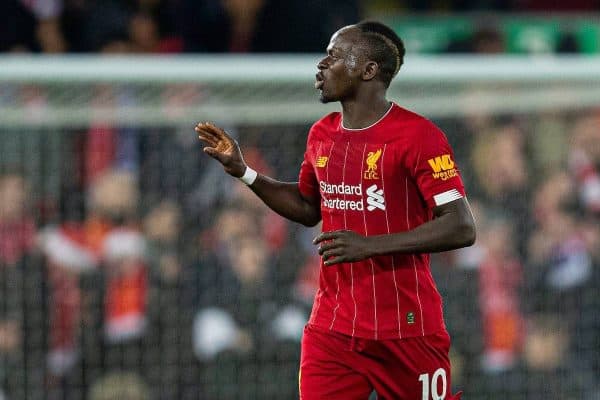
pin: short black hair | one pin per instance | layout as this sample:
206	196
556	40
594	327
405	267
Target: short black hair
385	47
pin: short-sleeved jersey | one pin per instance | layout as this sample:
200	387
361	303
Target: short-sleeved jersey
382	179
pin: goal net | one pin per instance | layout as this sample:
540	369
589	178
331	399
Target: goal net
131	266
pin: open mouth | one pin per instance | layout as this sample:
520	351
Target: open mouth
319	81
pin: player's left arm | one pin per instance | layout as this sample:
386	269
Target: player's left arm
453	227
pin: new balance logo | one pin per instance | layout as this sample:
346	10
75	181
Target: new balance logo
375	198
322	161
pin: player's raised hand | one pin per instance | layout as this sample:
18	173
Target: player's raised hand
222	147
343	246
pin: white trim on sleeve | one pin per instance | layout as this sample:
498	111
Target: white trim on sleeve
447	197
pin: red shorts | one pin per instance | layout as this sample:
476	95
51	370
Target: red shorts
335	366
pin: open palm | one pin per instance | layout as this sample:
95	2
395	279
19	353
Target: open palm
222	147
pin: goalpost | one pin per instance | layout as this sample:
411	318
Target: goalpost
145	91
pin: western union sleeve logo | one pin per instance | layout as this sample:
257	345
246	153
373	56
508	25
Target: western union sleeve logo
443	167
372	158
322	161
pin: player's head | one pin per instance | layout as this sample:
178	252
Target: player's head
384	47
365	53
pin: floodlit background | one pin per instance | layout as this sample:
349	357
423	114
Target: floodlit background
132	268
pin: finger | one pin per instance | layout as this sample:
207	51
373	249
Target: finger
202	126
205	125
209	128
332	253
208	139
217	132
327	246
207	135
214	154
220	140
326	236
334	260
211	151
206	131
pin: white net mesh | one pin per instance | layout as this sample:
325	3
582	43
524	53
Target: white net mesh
131	267
150	91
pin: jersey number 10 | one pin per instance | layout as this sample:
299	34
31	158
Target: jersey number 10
440	373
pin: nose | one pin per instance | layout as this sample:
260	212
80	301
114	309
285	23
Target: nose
322	64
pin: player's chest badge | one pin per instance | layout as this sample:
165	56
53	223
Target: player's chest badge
371	171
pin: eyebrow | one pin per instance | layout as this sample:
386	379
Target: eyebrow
332	49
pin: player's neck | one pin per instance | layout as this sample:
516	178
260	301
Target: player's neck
361	114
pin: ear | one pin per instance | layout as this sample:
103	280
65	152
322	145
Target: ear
370	70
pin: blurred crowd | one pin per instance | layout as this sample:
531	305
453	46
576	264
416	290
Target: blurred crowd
170	26
291	26
131	267
487	5
531	278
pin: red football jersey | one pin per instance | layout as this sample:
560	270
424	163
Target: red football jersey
382	179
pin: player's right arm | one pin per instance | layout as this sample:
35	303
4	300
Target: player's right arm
284	198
